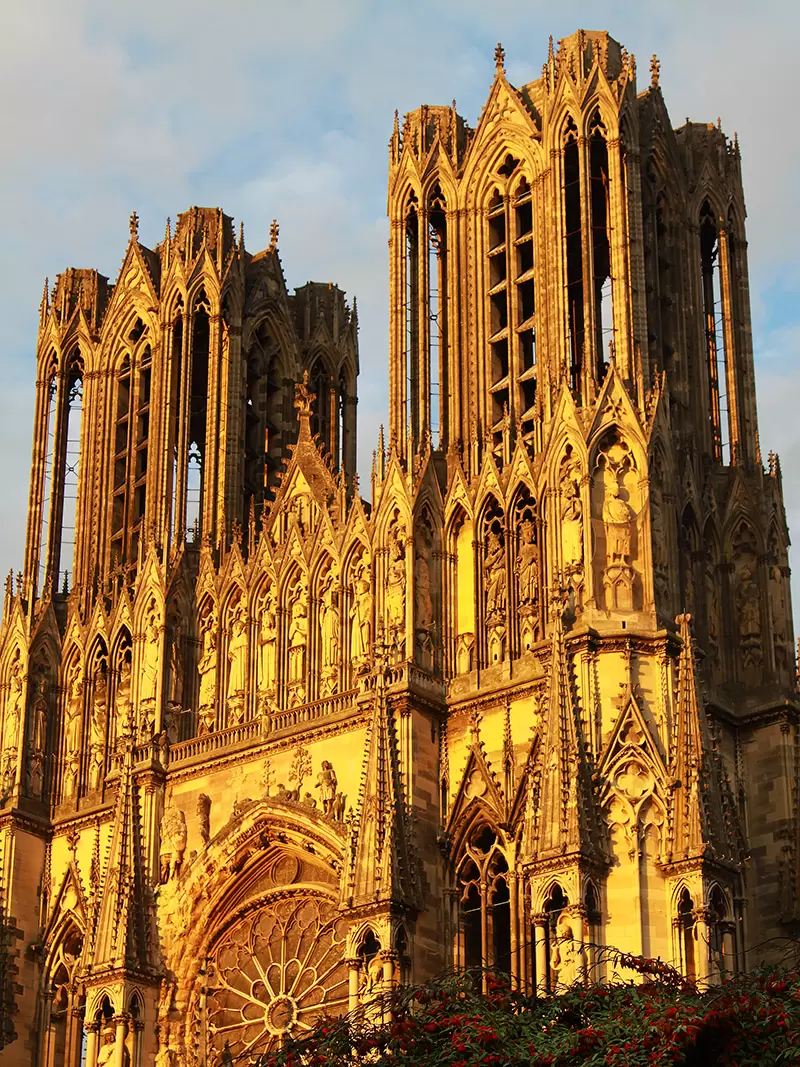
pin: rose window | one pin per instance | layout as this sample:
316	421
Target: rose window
275	972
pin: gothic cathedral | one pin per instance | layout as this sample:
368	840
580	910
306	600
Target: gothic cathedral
268	747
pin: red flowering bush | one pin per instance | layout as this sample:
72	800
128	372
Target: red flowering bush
753	1019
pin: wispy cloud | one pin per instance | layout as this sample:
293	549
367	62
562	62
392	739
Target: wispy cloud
284	110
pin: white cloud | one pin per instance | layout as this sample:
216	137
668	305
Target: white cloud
284	110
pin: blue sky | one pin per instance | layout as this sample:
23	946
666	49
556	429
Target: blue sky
284	110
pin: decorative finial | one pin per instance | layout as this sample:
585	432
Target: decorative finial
303	397
133	222
655	70
241	237
273	235
499	57
719	122
551	56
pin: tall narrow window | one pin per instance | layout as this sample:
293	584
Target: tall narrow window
574	255
437	309
412	319
176	421
72	460
198	403
686	927
47	486
120	469
321	412
601	246
524	323
498	317
714	334
141	437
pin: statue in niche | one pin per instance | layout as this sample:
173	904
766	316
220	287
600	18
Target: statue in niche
149	675
528	563
327	784
237	653
13	708
207	669
777	602
204	818
329	633
749	617
267	637
571	517
38	737
123	697
298	633
361	614
176	666
396	586
712	613
73	721
494	574
173	843
617	516
423	600
568	958
98	731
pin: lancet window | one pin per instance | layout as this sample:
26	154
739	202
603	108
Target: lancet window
484	933
64	1002
131	437
511	295
72	420
714	313
49	437
437	313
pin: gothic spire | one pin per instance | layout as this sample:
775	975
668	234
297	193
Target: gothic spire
382	863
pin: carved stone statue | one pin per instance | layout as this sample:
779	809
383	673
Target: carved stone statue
528	563
267	636
298	633
330	636
38	738
173	843
204	817
423	600
176	666
13	709
237	654
396	583
98	731
327	783
571	518
494	574
149	676
207	669
617	516
747	604
123	699
361	614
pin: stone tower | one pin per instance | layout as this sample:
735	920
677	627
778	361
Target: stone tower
268	749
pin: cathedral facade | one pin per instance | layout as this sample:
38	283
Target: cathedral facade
269	749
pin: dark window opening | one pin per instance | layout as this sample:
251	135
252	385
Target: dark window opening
574	257
601	248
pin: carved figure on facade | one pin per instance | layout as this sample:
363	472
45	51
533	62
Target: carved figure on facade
207	670
298	642
13	709
204	818
527	576
173	842
237	664
37	743
748	614
571	515
327	784
423	597
72	731
361	615
494	571
267	639
98	731
176	665
330	640
150	658
395	599
615	487
778	616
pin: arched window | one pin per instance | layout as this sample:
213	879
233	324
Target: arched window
64	1029
437	312
72	419
484	912
714	334
573	253
686	932
601	243
321	386
721	934
411	340
49	438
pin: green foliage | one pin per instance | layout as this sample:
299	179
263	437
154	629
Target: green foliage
749	1021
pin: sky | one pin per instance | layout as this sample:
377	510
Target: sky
270	109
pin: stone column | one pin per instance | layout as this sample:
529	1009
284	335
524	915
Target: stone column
514	963
702	935
389	959
354	966
121	1032
540	942
92	1036
72	1054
